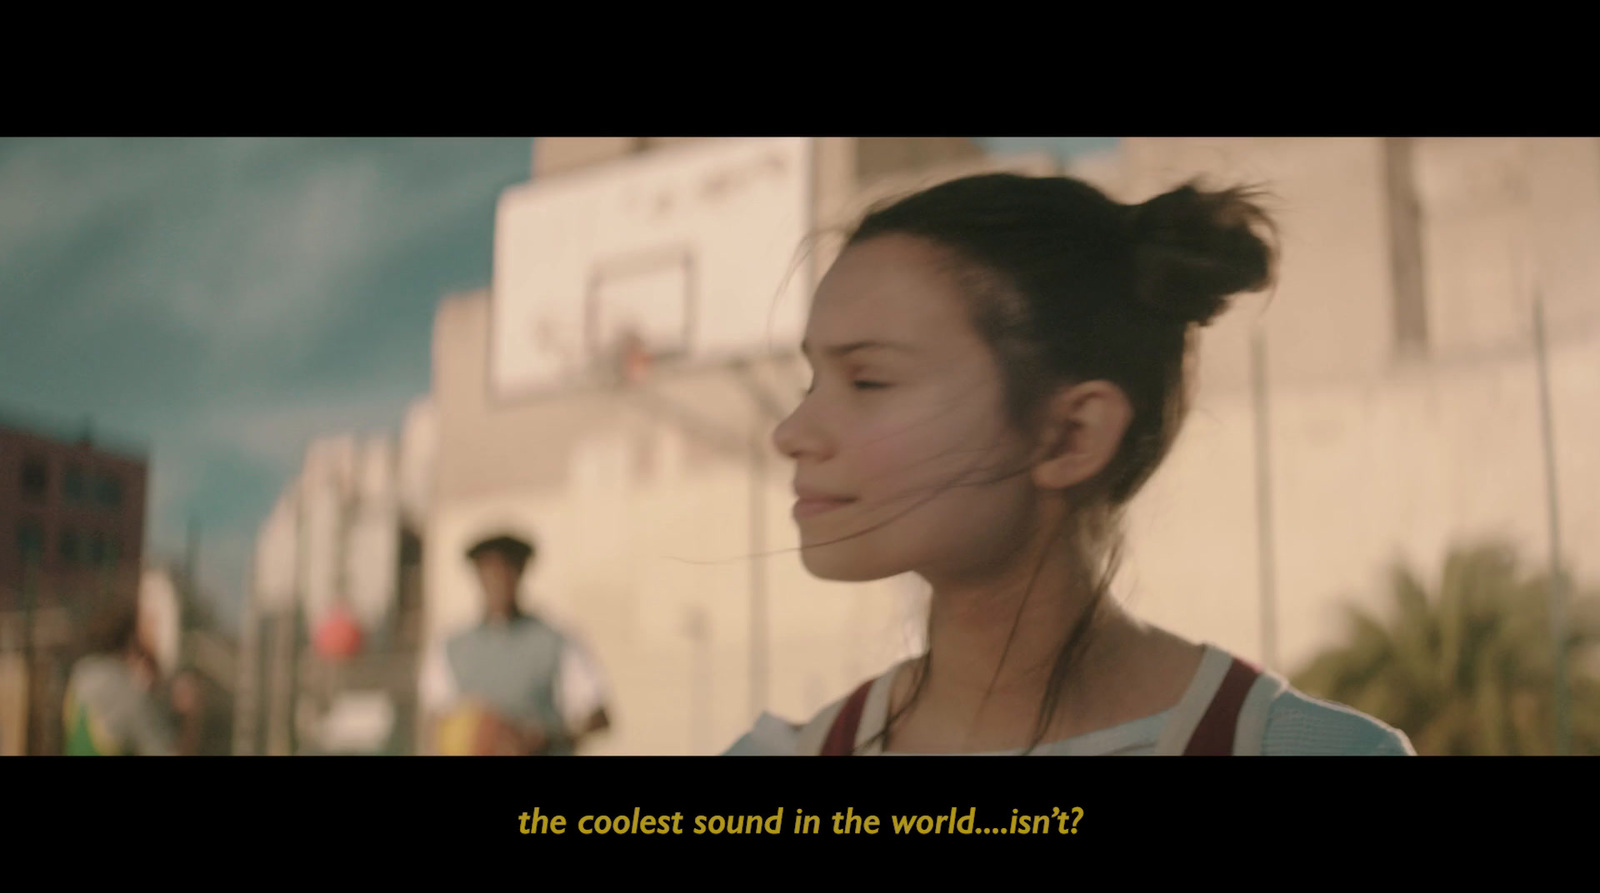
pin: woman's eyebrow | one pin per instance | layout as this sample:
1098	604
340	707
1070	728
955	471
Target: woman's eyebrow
841	350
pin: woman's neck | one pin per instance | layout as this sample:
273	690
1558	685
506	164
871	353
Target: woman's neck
994	641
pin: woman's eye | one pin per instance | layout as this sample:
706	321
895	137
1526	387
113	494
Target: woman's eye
868	385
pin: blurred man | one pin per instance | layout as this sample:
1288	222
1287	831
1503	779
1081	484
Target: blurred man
513	685
111	706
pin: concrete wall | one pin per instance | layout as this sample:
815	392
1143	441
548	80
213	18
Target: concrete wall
1362	474
1376	454
1497	216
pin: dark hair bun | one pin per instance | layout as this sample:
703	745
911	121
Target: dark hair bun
1193	249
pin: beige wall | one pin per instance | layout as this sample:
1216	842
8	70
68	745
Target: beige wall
1373	456
1362	474
1497	214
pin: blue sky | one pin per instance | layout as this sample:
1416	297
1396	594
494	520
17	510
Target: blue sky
221	301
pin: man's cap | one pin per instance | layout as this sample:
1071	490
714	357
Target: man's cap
511	546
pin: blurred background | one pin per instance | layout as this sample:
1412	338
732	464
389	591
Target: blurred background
269	391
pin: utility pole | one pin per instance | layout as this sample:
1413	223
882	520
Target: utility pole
30	594
1267	569
1557	593
191	558
758	573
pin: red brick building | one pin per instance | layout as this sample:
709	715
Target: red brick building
72	517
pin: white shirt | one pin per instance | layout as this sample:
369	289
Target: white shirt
1276	720
581	687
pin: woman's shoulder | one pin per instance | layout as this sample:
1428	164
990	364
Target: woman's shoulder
1299	724
1277	719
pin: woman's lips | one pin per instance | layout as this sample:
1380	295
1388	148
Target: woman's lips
809	506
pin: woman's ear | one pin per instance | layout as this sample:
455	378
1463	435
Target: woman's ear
1082	431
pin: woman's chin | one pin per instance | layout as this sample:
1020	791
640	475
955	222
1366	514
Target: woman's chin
840	564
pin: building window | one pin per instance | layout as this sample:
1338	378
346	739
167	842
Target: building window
35	479
113	552
71	548
108	492
30	540
74	485
97	550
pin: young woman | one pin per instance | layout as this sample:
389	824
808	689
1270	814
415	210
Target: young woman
1000	362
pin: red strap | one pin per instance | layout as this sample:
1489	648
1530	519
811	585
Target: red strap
841	740
1214	735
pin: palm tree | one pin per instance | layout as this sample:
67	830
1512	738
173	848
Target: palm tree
1468	669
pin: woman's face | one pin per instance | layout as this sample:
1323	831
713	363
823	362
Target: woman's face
904	458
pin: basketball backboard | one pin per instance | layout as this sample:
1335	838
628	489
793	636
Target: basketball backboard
693	246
